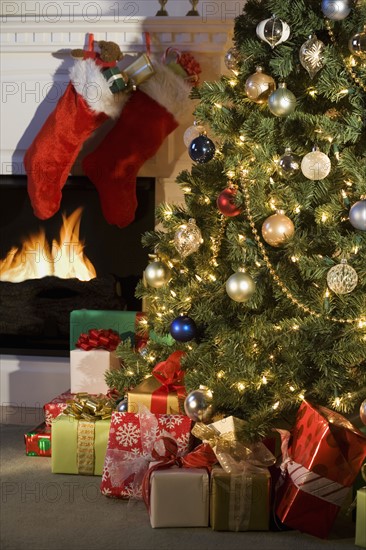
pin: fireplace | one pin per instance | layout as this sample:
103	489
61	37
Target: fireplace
75	260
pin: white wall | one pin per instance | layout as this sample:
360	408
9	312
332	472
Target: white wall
49	11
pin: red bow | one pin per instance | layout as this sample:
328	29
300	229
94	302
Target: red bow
171	377
99	339
202	457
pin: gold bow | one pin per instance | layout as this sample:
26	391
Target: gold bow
89	407
233	455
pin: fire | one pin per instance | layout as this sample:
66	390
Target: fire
36	258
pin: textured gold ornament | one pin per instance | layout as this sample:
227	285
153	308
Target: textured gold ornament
259	86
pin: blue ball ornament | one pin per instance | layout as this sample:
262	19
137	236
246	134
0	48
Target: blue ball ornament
183	329
202	149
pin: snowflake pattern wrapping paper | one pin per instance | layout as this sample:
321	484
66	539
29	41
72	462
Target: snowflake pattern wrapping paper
55	407
131	441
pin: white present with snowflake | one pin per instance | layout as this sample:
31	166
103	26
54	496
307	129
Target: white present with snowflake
130	446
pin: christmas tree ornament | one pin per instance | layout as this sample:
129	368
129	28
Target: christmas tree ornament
157	274
311	55
259	86
240	286
315	165
274	31
85	105
192	133
183	329
282	101
202	149
357	43
277	229
152	112
336	10
231	59
226	202
363	412
342	278
198	405
357	215
289	164
188	238
122	406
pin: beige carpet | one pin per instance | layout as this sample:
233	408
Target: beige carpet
43	511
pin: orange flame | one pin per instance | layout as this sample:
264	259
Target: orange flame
35	259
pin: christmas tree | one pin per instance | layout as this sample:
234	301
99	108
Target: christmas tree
261	277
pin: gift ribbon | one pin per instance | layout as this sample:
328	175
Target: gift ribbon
307	481
87	409
233	456
99	339
171	376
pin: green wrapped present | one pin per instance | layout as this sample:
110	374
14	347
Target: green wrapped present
239	502
116	80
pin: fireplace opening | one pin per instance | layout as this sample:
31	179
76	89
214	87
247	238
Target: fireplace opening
75	260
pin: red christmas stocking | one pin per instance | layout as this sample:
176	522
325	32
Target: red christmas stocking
150	115
85	105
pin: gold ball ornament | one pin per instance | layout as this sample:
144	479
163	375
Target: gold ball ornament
357	43
363	412
157	274
259	86
342	278
188	238
240	287
277	229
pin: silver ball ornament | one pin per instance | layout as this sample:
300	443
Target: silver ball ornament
315	165
277	229
198	405
188	238
157	274
273	31
336	10
357	44
289	164
357	215
342	278
122	406
231	59
240	287
282	101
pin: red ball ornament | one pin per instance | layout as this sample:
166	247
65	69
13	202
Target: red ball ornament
226	204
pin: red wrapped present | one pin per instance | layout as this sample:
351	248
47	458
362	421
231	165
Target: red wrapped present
320	466
55	407
132	439
38	441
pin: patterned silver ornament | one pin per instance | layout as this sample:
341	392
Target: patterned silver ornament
274	31
357	215
342	278
315	165
282	101
188	238
231	59
198	405
311	55
336	10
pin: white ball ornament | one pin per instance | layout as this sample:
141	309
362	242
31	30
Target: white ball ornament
273	31
315	165
342	278
240	287
157	274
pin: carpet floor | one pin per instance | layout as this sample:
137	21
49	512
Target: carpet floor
44	511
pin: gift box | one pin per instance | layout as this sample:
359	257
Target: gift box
88	368
162	393
125	323
140	70
80	436
116	80
55	407
324	458
239	502
38	441
360	539
131	443
179	497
